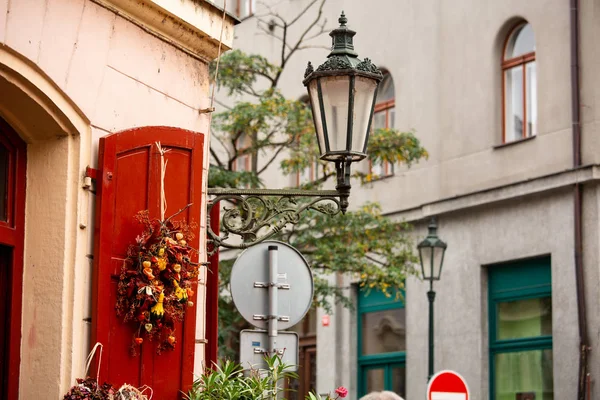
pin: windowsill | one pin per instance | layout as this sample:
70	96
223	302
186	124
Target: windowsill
380	178
507	144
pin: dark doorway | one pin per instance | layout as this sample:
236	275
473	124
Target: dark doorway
307	358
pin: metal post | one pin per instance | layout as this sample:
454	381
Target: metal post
272	322
431	298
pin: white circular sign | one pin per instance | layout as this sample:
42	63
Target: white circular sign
252	266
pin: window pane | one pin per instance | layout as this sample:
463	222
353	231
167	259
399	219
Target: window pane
377	170
522	41
524	375
525	318
4	155
375	379
513	103
385	91
384	331
531	81
379	120
392	116
399	380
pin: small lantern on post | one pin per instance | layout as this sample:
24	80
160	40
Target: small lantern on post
342	93
431	253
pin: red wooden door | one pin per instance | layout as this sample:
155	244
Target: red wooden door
129	181
13	166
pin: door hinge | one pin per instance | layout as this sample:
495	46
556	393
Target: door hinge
91	175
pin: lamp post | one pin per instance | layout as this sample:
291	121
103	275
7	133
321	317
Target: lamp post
431	254
342	94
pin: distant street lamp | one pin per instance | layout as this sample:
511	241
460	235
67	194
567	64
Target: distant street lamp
431	253
342	94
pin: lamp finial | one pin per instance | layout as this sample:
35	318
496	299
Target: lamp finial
343	20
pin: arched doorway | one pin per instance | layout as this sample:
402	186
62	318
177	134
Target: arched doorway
12	223
47	339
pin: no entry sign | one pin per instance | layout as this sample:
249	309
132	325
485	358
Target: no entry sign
447	385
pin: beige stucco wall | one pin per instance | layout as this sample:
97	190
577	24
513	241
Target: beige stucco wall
72	71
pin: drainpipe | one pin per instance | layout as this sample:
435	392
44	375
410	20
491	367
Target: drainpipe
578	200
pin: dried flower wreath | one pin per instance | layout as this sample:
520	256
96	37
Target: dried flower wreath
155	285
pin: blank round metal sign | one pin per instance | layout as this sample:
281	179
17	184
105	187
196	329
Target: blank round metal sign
251	270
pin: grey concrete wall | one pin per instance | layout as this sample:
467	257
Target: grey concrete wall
528	227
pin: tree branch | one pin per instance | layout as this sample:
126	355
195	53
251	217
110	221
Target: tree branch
279	150
306	31
213	153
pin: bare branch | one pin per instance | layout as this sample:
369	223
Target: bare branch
313	47
374	260
214	154
222	142
306	31
222	104
292	22
279	150
267	32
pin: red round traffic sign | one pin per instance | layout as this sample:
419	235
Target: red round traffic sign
447	385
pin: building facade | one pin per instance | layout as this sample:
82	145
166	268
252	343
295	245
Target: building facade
503	96
72	72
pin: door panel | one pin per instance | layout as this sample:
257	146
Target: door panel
5	284
13	158
130	182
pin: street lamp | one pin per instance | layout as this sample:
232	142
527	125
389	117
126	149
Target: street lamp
431	254
342	94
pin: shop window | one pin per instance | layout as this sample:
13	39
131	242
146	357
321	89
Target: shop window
520	324
519	81
381	343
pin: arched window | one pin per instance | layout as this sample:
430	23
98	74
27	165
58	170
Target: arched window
519	81
383	117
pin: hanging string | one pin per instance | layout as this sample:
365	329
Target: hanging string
216	78
90	357
163	170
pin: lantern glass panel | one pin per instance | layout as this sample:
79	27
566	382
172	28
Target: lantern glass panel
364	91
335	101
316	110
431	262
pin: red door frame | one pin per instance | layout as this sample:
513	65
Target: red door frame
12	234
111	147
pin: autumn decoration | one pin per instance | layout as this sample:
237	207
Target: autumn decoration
156	280
90	388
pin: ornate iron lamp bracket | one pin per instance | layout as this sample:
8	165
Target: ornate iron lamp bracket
251	216
254	215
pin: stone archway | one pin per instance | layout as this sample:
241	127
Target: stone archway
53	333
